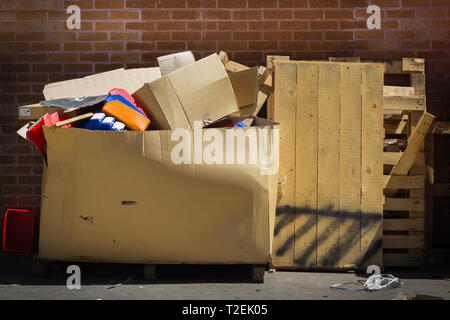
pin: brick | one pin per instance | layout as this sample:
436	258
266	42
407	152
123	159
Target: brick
156	15
92	36
155	35
278	14
308	14
108	46
31	15
247	35
308	35
78	67
54	57
293	3
111	4
47	46
278	35
77	46
102	57
231	3
185	15
46	67
31	36
123	15
124	36
247	15
108	26
294	45
217	35
131	56
323	25
170	25
171	4
186	35
216	15
171	45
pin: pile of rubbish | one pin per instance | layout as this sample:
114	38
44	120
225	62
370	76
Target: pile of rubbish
214	90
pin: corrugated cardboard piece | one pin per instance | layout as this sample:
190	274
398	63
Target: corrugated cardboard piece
122	199
101	83
175	61
201	91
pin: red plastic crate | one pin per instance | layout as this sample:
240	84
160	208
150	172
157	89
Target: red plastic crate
18	230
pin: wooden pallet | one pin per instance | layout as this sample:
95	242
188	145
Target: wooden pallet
329	215
406	119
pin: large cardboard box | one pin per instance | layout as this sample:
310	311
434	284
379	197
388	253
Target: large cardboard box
122	196
201	91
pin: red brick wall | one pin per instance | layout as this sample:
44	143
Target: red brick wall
36	48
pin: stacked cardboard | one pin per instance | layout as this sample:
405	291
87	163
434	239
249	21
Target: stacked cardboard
191	187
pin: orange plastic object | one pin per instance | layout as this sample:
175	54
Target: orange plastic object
132	118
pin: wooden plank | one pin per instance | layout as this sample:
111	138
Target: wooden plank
403	241
413	65
414	144
285	103
404	204
404	182
350	166
306	165
397	67
74	119
402	260
372	165
271	58
411	224
418	83
395	91
412	103
392	158
397	127
328	166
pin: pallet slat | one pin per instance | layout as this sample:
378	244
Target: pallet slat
412	224
404	182
404	204
406	103
403	241
414	145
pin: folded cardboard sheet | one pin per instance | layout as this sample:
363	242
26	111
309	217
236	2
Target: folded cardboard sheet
101	83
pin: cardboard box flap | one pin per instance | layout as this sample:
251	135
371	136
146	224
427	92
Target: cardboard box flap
159	100
201	91
245	86
150	210
204	90
100	84
175	61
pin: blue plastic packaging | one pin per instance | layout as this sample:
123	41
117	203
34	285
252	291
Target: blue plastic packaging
107	123
95	121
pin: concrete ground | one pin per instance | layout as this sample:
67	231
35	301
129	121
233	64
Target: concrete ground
108	281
